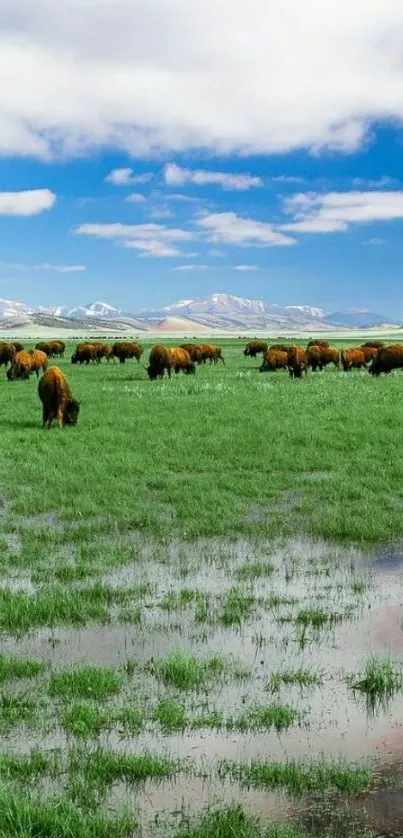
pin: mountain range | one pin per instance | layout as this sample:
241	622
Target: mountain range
224	312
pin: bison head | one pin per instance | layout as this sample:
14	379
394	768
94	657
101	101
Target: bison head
71	411
11	374
191	369
152	373
246	352
74	358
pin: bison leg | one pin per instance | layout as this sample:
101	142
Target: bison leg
222	359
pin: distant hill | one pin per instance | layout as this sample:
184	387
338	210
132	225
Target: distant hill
224	312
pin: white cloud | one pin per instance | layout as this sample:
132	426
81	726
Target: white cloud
287	179
372	184
246	268
27	202
232	229
161	212
158	76
47	266
135	198
375	241
175	176
149	239
175	196
125	177
335	211
192	268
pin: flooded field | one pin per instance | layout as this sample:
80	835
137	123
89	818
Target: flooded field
192	642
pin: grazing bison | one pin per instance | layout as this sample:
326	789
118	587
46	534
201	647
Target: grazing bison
126	349
25	363
44	346
194	351
280	347
352	359
369	352
52	348
375	343
7	352
274	360
387	358
159	361
296	361
18	346
102	350
84	354
323	343
57	401
211	352
255	347
181	360
318	357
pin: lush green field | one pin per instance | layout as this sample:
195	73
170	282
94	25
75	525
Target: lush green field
177	572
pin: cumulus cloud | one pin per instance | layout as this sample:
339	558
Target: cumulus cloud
175	176
336	211
125	177
135	198
27	202
158	76
149	239
47	266
230	228
246	267
287	179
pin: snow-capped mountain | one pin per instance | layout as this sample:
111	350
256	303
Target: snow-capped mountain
226	312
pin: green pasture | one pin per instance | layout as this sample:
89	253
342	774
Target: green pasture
181	568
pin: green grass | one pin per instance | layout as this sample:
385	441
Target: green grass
316	618
86	721
264	718
102	768
380	680
16	710
170	715
237	607
185	672
300	677
254	570
18	668
30	817
297	778
27	767
86	682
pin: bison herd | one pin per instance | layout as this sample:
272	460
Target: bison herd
373	356
58	403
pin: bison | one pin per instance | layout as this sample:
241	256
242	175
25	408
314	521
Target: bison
273	360
57	401
7	352
297	364
352	359
211	352
25	363
387	358
369	352
181	360
255	347
318	357
194	351
102	350
84	354
377	344
18	346
280	347
323	343
126	349
159	361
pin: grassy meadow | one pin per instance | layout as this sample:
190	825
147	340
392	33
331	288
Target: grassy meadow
187	580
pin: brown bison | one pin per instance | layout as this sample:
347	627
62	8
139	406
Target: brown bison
126	349
387	358
159	361
181	360
318	357
375	343
274	360
280	347
25	363
369	352
52	348
352	359
7	352
211	352
102	350
18	346
84	354
255	347
323	343
297	364
194	351
57	401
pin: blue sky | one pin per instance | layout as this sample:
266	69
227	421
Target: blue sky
160	162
